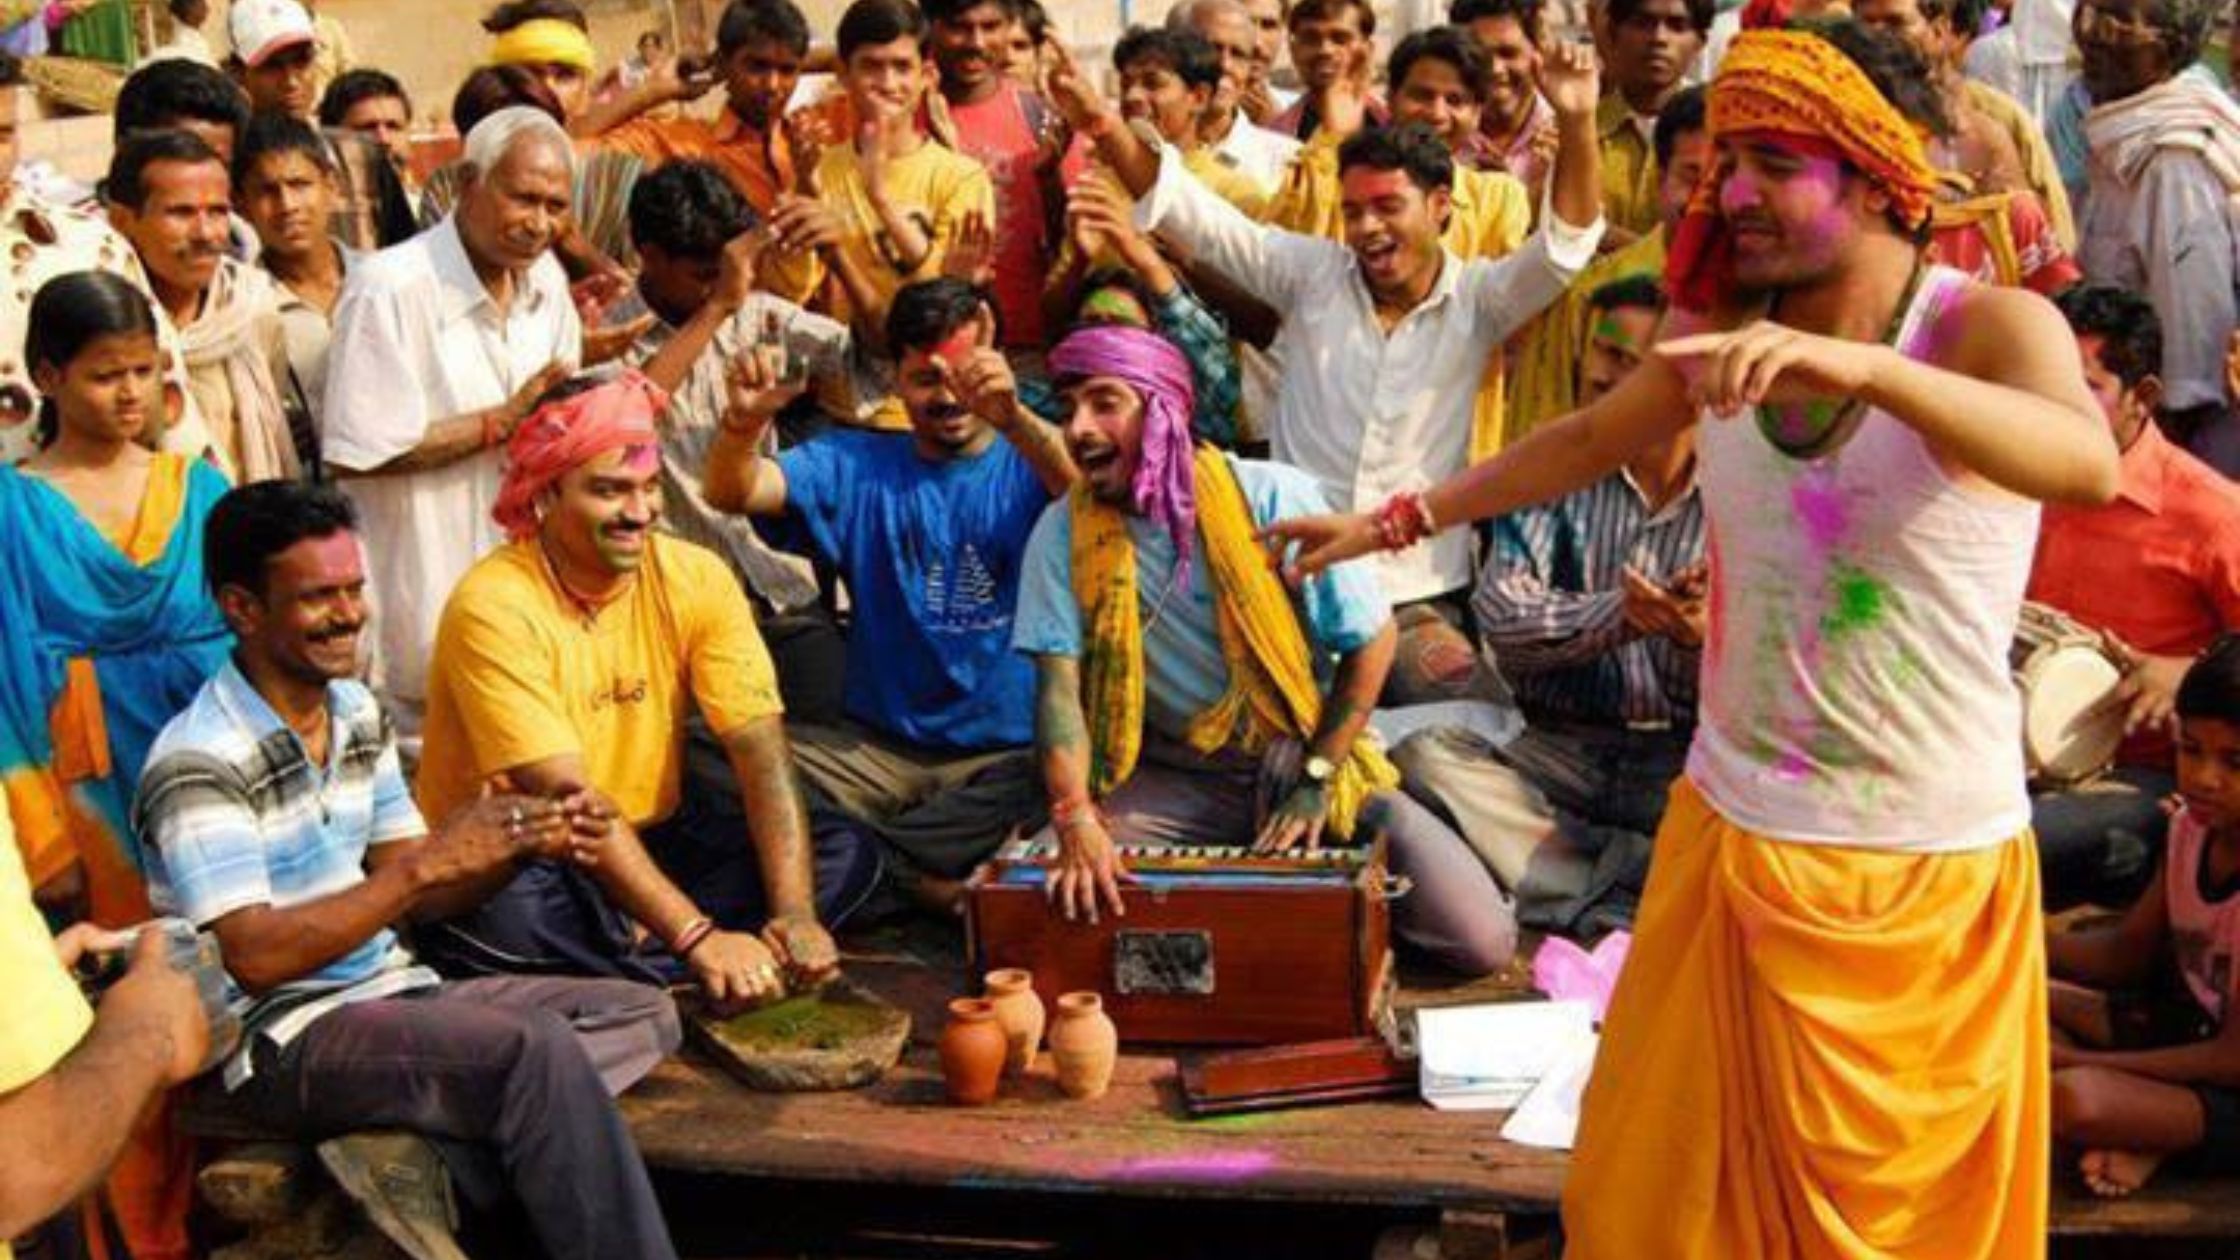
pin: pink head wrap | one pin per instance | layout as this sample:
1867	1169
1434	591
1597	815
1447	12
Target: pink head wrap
1165	485
569	433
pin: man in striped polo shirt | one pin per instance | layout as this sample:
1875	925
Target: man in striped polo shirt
276	816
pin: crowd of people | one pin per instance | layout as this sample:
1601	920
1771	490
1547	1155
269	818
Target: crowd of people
742	490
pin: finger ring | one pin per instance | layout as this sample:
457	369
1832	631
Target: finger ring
514	819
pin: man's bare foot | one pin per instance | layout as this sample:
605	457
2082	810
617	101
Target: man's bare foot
2114	1174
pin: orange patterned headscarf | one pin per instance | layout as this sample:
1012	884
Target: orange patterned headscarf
1795	83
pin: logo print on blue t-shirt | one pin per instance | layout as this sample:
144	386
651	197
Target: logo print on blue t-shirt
962	600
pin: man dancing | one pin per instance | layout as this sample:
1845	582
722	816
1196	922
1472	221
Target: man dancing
1841	928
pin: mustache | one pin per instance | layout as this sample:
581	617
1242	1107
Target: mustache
332	633
946	411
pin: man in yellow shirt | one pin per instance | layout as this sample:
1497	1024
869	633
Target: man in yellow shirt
1439	80
568	660
1647	49
72	1080
888	199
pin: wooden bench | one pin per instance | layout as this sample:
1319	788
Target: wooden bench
1398	1157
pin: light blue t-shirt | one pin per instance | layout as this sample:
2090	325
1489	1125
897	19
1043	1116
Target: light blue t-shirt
1342	608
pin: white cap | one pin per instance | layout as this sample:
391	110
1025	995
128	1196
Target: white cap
261	28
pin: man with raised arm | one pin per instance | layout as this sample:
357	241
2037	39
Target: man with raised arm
1387	333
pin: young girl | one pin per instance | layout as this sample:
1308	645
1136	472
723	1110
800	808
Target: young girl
2132	1108
109	627
108	632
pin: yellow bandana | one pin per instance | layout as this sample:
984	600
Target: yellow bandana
544	42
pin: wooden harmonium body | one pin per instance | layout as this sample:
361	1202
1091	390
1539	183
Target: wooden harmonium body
1219	946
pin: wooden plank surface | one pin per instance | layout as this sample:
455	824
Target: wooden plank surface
1135	1140
1132	1141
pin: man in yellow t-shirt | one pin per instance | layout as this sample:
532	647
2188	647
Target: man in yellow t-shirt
569	660
1647	48
888	199
72	1082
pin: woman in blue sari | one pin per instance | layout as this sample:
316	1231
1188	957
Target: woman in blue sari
106	628
106	631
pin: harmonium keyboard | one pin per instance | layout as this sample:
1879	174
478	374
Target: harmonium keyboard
1219	945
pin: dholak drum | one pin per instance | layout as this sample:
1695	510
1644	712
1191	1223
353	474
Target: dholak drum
2065	673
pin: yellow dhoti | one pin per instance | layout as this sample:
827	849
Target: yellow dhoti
1818	1051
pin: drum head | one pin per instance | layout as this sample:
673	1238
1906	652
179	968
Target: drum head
2064	739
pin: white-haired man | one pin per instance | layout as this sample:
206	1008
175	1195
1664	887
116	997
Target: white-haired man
441	344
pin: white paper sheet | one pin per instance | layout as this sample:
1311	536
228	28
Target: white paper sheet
1488	1056
1549	1115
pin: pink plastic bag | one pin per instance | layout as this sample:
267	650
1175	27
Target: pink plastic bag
1563	970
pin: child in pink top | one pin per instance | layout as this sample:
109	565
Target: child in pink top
2131	1108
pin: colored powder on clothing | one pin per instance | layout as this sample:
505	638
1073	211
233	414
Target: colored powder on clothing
1820	506
1860	602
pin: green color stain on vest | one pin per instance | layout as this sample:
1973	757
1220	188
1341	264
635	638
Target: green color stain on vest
1861	602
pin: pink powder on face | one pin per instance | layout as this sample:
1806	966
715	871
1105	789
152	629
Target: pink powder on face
1369	184
959	346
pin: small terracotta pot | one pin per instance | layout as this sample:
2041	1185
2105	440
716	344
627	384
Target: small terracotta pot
1084	1045
972	1052
1019	1010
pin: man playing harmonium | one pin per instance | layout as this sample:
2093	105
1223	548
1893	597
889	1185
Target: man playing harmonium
1183	697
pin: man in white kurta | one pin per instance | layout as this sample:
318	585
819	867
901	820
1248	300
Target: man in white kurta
441	346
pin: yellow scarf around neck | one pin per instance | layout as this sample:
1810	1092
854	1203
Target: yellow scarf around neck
1272	692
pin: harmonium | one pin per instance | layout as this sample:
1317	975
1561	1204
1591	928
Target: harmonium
1218	946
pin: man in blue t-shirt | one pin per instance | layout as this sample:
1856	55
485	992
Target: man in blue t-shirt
928	528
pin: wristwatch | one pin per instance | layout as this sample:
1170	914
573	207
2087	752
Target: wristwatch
1319	769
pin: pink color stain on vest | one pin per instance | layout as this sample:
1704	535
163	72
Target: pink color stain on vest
1819	505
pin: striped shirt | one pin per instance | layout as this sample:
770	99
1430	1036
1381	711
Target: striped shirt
235	814
1550	603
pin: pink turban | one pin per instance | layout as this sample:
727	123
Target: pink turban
1165	487
569	433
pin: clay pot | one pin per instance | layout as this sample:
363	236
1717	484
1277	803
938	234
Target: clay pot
972	1052
1019	1010
1084	1044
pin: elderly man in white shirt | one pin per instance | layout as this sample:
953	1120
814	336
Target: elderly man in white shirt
1263	155
1386	336
441	347
2159	216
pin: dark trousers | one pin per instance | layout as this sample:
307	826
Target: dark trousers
494	1063
2100	842
553	919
